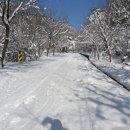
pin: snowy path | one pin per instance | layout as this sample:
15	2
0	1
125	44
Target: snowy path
64	92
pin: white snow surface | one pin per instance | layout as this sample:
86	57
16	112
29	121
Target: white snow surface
64	92
119	71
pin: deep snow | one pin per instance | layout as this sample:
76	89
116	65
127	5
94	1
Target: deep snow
64	92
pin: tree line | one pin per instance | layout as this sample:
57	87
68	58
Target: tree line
26	27
106	32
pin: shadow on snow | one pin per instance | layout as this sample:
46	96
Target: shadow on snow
55	123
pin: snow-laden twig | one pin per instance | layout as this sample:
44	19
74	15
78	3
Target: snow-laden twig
15	11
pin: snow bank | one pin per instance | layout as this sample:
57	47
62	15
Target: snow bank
119	72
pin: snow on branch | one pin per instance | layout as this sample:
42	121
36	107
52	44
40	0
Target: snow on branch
64	32
31	2
15	11
4	12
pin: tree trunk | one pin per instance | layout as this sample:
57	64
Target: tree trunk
48	49
39	51
53	50
110	56
98	55
94	52
96	49
6	42
66	49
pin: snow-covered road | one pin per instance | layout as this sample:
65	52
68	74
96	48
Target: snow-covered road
64	92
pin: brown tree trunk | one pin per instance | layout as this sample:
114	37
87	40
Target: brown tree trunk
5	13
6	42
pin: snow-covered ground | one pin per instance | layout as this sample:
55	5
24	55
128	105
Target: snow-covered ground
64	92
119	71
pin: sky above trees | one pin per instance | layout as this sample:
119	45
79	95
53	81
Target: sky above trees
75	10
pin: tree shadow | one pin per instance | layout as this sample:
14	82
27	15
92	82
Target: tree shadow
55	123
108	96
120	103
121	74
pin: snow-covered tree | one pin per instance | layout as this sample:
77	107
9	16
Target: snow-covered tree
8	10
107	29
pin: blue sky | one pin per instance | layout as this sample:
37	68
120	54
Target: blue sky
76	10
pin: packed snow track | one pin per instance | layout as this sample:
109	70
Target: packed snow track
64	92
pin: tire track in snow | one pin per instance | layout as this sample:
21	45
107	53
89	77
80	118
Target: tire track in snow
89	110
50	102
87	122
31	116
37	88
